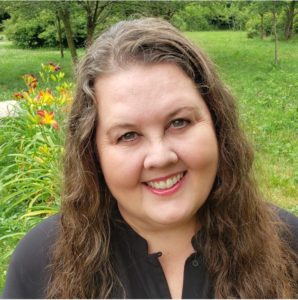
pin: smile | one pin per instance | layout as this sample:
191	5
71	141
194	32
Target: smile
166	183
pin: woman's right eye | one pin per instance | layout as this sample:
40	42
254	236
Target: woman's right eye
128	137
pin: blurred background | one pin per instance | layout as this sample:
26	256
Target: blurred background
254	45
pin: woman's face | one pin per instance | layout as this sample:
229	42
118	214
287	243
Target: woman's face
156	143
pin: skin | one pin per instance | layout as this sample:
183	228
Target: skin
168	130
153	123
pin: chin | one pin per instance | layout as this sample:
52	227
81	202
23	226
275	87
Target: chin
172	218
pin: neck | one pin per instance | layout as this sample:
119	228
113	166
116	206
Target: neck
175	245
169	240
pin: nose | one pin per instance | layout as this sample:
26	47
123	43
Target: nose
159	155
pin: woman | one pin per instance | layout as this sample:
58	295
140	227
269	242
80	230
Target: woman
158	200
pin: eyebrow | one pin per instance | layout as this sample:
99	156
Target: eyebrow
189	109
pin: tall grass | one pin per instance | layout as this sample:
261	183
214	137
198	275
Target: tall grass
30	153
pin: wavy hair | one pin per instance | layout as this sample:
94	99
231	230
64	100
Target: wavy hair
242	242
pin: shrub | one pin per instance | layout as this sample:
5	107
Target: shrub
31	146
192	18
41	31
254	24
24	34
252	33
31	149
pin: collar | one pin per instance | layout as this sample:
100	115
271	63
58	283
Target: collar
125	234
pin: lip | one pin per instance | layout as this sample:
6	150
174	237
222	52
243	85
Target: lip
171	190
165	177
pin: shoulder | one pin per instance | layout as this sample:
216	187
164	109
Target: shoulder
291	222
28	271
288	218
36	243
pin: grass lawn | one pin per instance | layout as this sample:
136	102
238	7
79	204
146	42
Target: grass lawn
267	100
268	104
14	63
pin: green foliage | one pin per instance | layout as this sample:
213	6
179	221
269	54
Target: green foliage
31	147
267	102
192	18
15	62
211	15
32	143
265	9
268	111
34	24
31	32
253	25
28	31
3	16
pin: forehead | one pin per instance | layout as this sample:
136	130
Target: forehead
143	90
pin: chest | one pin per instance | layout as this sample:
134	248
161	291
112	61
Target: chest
145	277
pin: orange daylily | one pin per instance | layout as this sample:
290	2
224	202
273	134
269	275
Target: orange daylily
47	118
44	149
18	95
31	81
53	67
45	97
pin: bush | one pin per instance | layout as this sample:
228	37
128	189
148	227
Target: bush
33	32
23	33
252	33
253	25
192	18
41	31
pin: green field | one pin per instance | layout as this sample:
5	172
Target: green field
267	99
14	63
268	104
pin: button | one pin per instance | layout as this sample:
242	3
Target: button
158	254
195	263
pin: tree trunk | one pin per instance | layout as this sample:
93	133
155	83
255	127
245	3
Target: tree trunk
60	35
90	30
94	10
65	17
262	27
275	38
290	14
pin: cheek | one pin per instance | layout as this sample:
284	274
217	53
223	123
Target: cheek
201	151
120	169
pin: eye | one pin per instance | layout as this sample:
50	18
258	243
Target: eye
128	137
179	123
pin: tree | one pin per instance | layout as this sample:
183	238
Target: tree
94	11
260	8
60	12
163	9
64	16
290	15
274	12
3	15
60	34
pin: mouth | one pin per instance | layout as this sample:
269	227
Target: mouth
166	185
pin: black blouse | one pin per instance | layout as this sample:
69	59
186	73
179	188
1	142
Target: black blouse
140	273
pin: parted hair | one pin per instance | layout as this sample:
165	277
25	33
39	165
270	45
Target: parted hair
243	241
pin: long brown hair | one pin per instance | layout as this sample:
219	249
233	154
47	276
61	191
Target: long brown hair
241	236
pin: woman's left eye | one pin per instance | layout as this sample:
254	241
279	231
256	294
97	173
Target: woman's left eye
179	123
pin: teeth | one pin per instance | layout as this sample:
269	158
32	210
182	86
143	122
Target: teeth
166	184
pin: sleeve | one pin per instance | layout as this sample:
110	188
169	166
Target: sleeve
292	224
28	272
